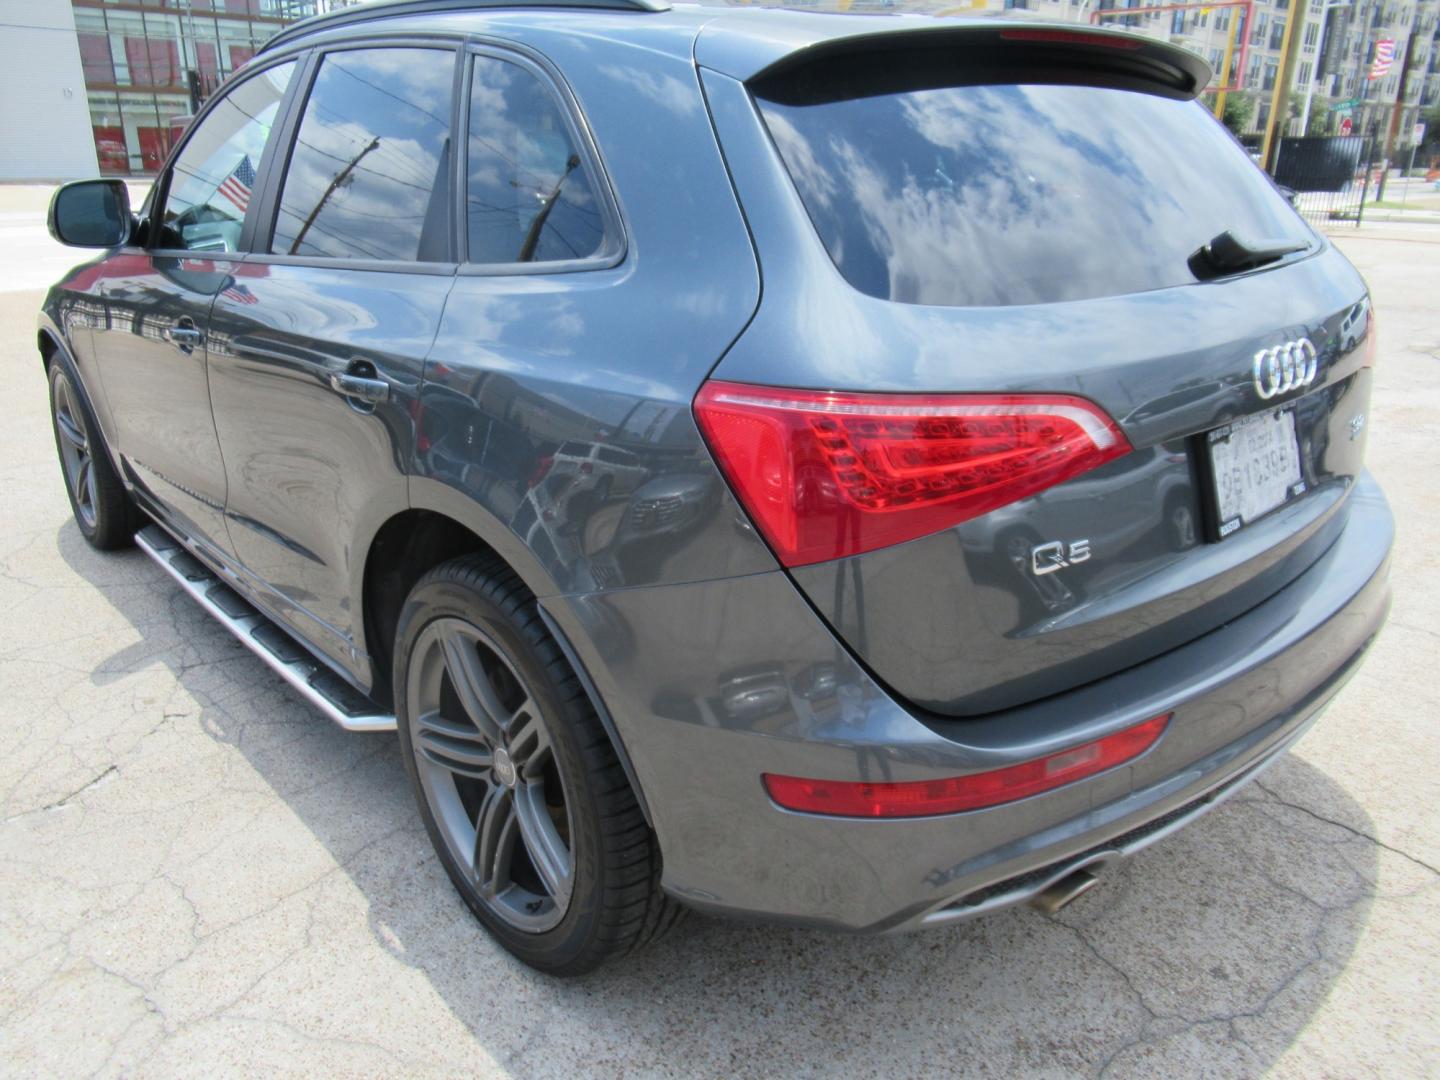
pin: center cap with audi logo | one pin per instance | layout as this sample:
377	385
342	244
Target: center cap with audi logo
504	767
1284	368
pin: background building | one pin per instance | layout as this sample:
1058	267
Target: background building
1351	30
44	122
136	66
105	85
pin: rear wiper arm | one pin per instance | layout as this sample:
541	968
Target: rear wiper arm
1230	254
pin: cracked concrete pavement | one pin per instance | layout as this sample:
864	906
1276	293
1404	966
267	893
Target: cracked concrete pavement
199	874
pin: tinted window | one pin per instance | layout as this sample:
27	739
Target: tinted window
530	198
211	181
367	175
996	195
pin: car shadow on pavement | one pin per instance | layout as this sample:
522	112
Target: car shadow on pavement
1209	952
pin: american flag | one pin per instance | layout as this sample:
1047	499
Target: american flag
240	294
236	186
1384	57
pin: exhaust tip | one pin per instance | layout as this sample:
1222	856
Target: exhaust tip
1062	892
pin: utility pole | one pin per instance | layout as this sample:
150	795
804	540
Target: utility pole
1225	75
1395	112
340	178
1289	50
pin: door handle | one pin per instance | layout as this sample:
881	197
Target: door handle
360	388
183	335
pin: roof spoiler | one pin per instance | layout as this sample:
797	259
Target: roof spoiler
943	53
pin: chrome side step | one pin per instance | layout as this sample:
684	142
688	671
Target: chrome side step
316	683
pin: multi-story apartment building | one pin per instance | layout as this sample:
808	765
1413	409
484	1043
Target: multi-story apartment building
1336	49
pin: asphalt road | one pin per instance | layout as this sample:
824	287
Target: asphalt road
198	874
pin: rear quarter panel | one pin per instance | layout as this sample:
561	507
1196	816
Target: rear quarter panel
607	356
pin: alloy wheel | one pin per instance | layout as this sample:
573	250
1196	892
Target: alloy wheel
489	773
75	454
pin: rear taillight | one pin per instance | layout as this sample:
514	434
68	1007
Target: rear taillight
922	798
828	474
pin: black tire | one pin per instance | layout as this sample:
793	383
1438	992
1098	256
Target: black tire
613	902
104	511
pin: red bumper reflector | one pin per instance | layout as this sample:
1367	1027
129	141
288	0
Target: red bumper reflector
826	474
923	798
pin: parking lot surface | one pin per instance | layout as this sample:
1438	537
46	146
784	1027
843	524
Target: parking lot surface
200	875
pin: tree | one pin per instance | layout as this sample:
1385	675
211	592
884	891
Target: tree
1319	123
1239	111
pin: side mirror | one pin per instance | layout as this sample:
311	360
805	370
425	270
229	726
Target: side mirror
91	213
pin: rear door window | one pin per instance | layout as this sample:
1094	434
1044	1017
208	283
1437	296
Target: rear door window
1017	194
367	176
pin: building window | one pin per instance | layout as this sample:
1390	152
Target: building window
1277	33
1257	30
1312	34
136	56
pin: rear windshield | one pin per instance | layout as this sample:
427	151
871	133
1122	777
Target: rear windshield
1026	194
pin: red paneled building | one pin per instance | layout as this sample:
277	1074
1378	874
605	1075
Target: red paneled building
138	55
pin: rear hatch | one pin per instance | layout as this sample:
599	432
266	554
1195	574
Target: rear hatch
1045	214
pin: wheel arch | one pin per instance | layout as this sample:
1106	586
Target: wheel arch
48	344
409	544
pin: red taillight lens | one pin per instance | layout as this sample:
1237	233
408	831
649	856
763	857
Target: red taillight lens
927	797
827	474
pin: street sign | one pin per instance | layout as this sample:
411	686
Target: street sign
1418	135
1348	103
1347	126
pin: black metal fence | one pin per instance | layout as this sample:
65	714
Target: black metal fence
1331	176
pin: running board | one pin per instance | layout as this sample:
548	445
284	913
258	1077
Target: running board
316	683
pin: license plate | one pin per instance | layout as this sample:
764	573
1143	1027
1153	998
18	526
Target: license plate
1256	466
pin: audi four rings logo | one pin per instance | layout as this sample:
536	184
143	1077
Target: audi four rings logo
1284	368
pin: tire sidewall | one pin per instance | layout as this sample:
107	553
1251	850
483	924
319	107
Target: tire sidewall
561	945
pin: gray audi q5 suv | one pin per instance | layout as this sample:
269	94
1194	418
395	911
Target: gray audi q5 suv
853	471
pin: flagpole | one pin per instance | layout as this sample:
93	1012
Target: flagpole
1395	113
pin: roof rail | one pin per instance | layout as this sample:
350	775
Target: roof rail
386	9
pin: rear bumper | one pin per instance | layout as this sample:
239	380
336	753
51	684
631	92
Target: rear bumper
712	684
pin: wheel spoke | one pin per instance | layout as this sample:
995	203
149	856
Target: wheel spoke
547	851
472	685
70	431
528	740
84	481
495	833
447	758
434	723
